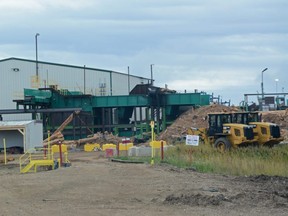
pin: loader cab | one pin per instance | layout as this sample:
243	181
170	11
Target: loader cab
225	133
216	121
245	117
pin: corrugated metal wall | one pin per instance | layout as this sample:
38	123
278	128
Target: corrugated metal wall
120	83
17	74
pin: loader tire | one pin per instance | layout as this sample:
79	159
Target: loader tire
222	144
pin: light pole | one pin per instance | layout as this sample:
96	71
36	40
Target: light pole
128	80
262	88
36	36
276	81
151	69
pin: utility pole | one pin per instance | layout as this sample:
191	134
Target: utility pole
151	69
262	90
84	79
128	80
37	68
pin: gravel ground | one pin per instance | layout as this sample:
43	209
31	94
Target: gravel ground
93	185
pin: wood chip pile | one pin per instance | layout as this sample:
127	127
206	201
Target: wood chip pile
278	117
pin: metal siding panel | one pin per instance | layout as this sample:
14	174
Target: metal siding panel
119	84
13	84
94	81
73	78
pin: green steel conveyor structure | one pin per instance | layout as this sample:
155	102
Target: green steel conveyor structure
125	115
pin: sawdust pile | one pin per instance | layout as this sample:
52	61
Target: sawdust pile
278	117
192	118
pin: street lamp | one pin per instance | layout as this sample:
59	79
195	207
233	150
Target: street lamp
36	36
276	81
262	87
151	69
128	79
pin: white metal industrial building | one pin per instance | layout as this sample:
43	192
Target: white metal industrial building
17	74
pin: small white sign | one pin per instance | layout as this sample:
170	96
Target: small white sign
192	140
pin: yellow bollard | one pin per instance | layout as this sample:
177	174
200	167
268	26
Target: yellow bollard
152	156
66	157
5	155
59	162
152	137
48	150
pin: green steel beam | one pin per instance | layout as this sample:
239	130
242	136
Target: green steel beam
187	99
60	99
121	101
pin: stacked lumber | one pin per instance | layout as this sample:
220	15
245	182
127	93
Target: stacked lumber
70	142
54	139
100	138
57	137
92	139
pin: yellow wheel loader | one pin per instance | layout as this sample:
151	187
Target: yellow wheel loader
266	133
223	134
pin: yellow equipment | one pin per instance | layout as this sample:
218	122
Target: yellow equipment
266	133
157	144
125	146
89	147
108	146
223	134
234	129
56	149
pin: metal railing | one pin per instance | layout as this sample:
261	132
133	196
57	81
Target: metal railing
32	156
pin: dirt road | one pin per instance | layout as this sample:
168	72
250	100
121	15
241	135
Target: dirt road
96	186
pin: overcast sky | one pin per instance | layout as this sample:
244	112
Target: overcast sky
216	46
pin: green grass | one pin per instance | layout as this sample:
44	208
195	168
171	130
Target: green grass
240	161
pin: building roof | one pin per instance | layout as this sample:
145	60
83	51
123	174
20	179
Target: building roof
14	124
70	66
